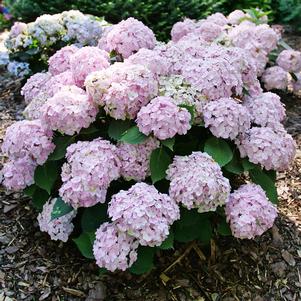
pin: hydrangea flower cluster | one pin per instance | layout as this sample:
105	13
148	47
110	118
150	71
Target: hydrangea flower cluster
26	144
289	60
226	118
144	213
273	148
59	228
135	159
249	212
196	181
275	78
122	89
114	249
90	168
128	36
163	118
68	111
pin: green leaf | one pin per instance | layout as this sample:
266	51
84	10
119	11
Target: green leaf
61	145
261	178
46	175
169	143
60	208
205	229
223	228
133	136
159	163
30	190
235	165
219	150
191	109
85	244
144	263
92	129
117	128
93	217
39	198
168	242
247	165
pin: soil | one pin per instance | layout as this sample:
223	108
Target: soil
32	267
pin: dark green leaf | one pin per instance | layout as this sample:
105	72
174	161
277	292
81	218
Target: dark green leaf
39	198
205	229
219	150
60	208
259	177
46	175
61	145
247	165
117	128
223	228
294	76
93	217
159	163
29	191
168	242
144	263
169	143
133	136
85	244
235	165
92	129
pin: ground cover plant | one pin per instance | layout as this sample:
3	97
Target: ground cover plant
135	144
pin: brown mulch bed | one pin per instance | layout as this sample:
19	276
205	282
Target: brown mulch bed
32	267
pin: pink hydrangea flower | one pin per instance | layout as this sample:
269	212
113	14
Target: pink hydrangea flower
226	118
90	168
60	61
57	82
218	18
196	181
87	60
236	16
128	36
266	37
59	228
69	111
35	85
135	159
114	250
265	109
272	148
163	118
102	42
33	109
289	60
156	63
249	212
275	78
215	78
207	30
296	84
28	139
18	173
144	213
122	89
181	29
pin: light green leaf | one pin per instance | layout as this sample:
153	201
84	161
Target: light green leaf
117	128
169	143
61	146
133	136
168	242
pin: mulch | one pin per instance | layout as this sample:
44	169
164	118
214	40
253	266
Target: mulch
32	267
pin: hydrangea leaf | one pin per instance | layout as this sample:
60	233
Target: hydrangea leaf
205	229
261	178
93	217
169	143
117	128
235	165
219	150
133	136
168	242
144	263
30	190
46	175
61	146
159	163
39	198
247	165
85	244
60	208
223	228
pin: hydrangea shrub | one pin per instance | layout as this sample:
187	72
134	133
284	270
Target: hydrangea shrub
139	145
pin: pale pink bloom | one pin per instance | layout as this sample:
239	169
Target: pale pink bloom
275	78
289	60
